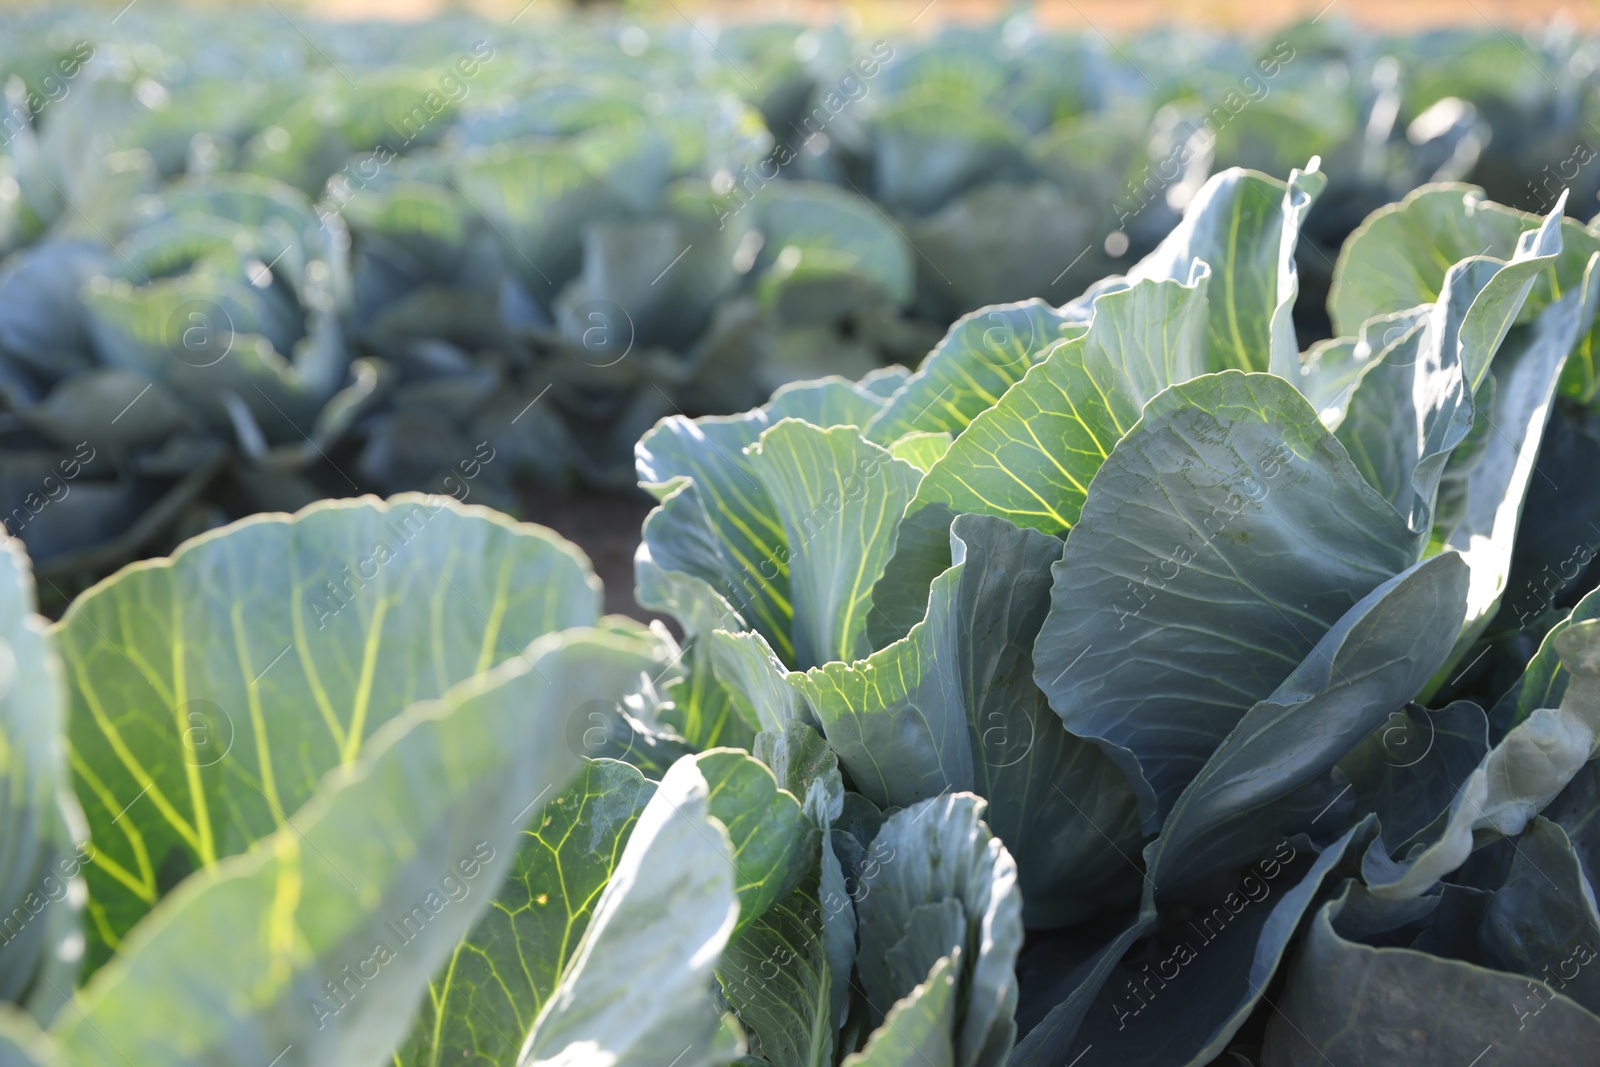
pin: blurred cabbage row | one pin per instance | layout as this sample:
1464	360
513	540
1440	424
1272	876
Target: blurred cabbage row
251	260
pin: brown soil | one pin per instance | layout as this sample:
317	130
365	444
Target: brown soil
606	526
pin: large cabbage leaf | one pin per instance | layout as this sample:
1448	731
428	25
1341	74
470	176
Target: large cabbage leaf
1222	538
346	911
211	692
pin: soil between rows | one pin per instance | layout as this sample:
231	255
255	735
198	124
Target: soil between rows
605	525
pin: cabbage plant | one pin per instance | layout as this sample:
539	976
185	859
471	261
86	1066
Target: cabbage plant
319	789
204	350
1198	616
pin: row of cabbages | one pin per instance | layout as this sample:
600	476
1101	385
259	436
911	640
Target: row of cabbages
255	260
1239	651
1125	685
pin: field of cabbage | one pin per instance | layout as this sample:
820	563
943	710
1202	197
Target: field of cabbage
1123	608
248	261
